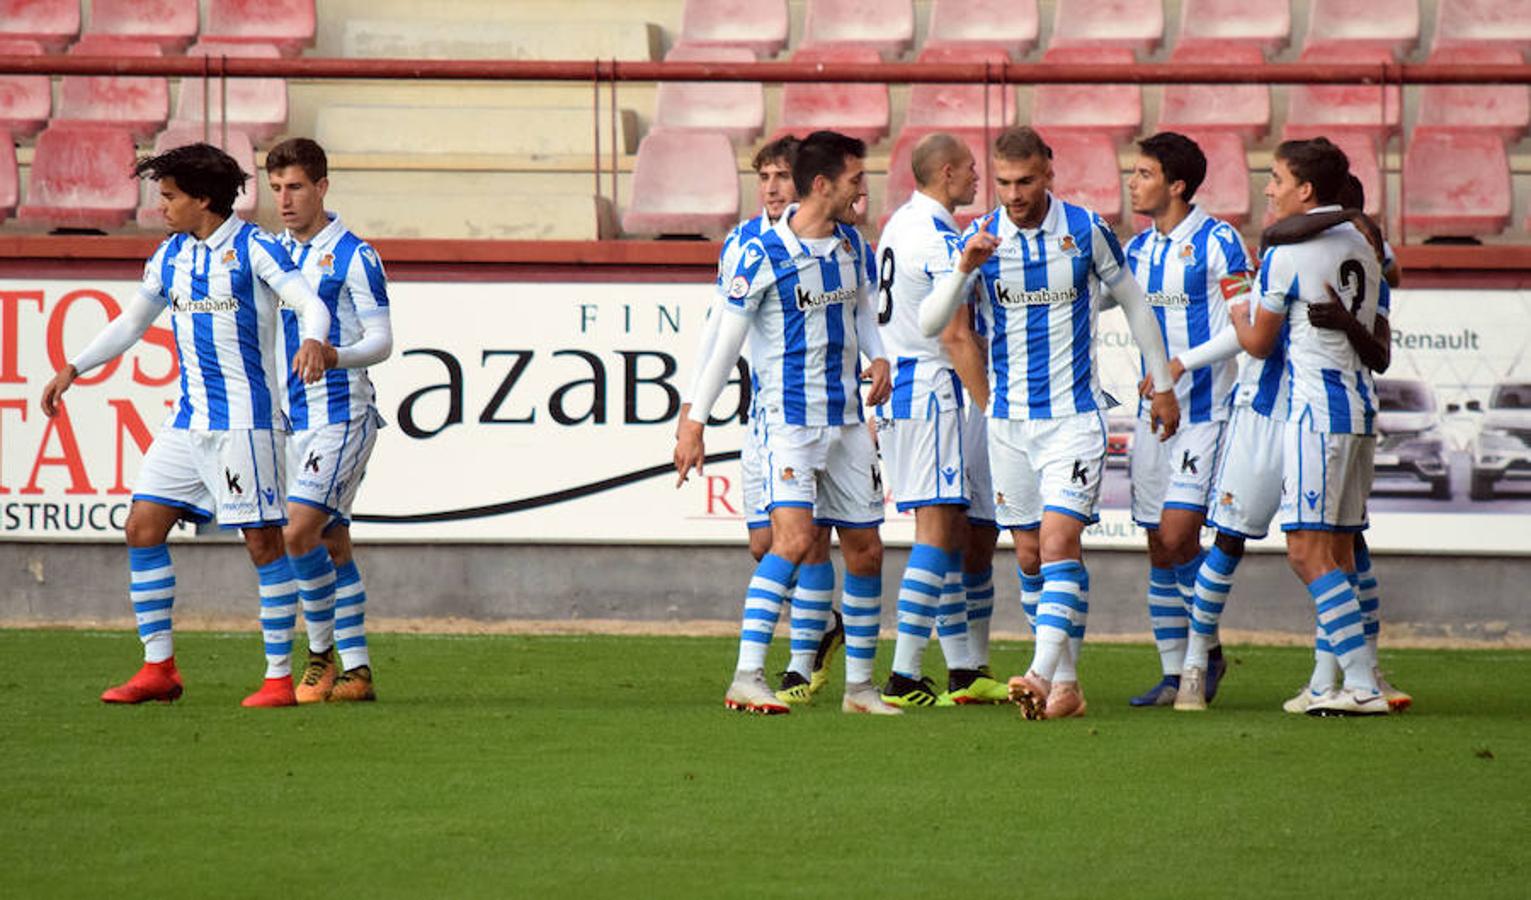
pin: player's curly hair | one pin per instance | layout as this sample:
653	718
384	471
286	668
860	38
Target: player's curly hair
1180	157
783	149
1319	163
199	170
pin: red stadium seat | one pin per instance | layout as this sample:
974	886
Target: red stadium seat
1503	22
10	187
886	26
257	106
960	105
1456	184
736	108
170	23
1504	110
1392	25
25	100
1225	192
1258	23
1133	24
52	23
1116	110
901	174
1086	171
1331	108
1241	108
1011	24
759	26
859	110
140	105
684	182
182	133
286	24
81	178
1361	150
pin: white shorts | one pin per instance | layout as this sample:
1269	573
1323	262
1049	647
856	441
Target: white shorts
975	452
926	459
1172	474
752	473
1325	480
831	470
235	476
325	465
1051	465
1247	489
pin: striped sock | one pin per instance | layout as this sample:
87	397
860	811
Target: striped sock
812	610
762	607
1214	579
316	588
1055	613
1169	618
919	595
1370	596
979	587
1031	595
1068	663
278	613
1326	669
351	617
151	587
952	617
1339	614
861	604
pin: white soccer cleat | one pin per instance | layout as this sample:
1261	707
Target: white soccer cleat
1349	701
750	693
865	698
1397	701
1192	694
1300	703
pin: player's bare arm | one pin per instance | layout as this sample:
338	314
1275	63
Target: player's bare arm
1374	347
967	353
1258	338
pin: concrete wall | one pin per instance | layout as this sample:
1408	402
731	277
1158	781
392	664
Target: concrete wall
1425	599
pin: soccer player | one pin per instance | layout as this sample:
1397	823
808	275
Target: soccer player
334	421
802	293
1328	437
921	431
1038	264
220	452
1182	261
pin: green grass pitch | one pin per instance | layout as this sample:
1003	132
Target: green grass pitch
607	766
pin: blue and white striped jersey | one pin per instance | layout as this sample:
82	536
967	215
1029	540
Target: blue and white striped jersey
1037	306
1183	273
738	236
348	276
223	304
1331	389
915	250
802	304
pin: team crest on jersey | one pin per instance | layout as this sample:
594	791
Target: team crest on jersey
327	263
738	287
845	244
230	259
1187	253
1067	245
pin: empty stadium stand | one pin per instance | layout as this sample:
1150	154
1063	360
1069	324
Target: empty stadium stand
1258	23
413	39
684	183
1133	24
172	24
140	105
1225	192
1114	110
1504	22
960	105
1329	108
1012	25
859	110
10	188
1392	25
257	106
26	101
51	23
759	26
1504	110
1085	171
483	130
1457	185
886	26
1244	109
736	108
81	178
286	24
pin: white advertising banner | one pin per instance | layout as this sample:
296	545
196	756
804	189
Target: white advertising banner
546	413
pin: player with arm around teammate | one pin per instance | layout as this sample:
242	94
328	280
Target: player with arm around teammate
334	421
1038	265
802	294
220	451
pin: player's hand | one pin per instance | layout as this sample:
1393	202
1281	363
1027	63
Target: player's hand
53	391
979	247
1332	315
310	361
690	451
882	382
685	413
1164	410
1146	386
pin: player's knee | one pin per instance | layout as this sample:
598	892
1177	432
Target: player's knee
863	552
143	531
298	540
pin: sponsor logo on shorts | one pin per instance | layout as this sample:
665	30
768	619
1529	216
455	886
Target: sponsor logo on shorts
1188	463
1080	474
787	474
950	473
1312	498
232	478
270	496
877	482
312	463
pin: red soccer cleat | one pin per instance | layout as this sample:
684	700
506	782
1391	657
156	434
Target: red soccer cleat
155	681
273	692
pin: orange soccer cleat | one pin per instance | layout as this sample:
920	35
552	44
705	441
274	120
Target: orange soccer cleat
353	685
155	681
273	692
318	677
